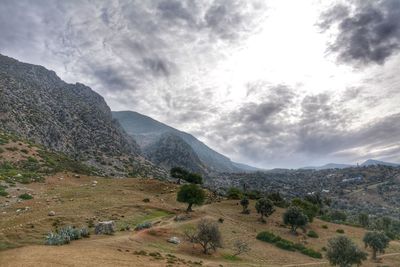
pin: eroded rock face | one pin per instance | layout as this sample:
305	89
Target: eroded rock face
70	118
105	228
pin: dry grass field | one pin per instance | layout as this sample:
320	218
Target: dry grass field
77	202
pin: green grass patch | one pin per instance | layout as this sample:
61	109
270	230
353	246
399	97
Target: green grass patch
287	244
230	257
25	196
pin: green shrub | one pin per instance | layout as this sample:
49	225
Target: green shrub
268	237
311	253
285	244
312	234
340	231
142	226
324	226
25	196
12	148
55	239
234	193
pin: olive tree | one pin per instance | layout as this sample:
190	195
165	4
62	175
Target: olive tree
265	207
295	218
245	204
207	236
377	241
191	194
341	251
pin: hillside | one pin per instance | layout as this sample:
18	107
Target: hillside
171	151
81	200
70	118
147	131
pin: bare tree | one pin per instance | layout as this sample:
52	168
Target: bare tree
207	236
240	247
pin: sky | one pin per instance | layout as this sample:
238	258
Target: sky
270	83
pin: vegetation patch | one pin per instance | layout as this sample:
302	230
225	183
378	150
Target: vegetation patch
230	257
312	234
66	235
25	196
287	244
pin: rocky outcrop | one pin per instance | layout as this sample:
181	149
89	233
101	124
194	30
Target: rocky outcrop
71	118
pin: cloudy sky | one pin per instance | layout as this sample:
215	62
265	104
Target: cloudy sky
271	83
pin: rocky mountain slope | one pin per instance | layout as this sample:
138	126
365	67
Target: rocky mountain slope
147	131
37	105
171	151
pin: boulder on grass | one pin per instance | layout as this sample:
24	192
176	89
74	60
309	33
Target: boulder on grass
174	240
104	228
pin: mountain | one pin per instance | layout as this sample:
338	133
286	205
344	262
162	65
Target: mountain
373	162
71	118
147	131
171	150
329	166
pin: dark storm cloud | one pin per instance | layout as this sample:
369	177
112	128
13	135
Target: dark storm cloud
157	66
369	31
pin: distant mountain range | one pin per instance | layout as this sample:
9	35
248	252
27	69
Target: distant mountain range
369	162
165	145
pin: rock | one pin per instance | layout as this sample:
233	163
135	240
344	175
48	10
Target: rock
52	213
105	228
76	176
174	240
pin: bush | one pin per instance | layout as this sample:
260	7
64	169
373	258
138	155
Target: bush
287	245
337	216
311	253
312	234
142	226
340	231
268	237
65	236
25	196
324	226
234	193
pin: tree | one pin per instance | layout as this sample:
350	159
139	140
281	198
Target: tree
191	194
178	173
341	251
363	219
265	207
308	208
240	247
193	178
377	241
245	204
277	199
337	216
295	218
207	236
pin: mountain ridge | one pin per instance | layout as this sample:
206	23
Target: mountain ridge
146	130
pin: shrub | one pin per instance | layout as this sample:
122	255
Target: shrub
65	235
324	226
312	234
311	253
337	216
340	231
285	244
268	237
146	200
142	226
25	196
234	193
